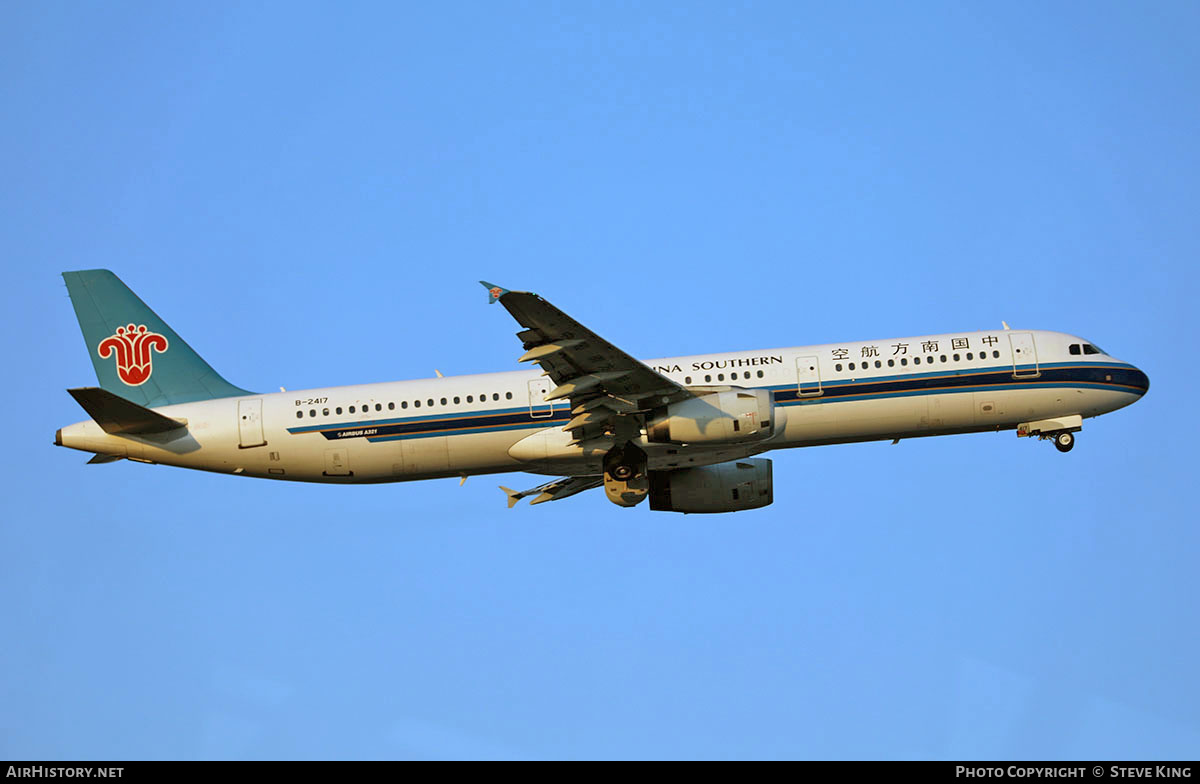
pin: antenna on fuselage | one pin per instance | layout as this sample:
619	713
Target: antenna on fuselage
1006	327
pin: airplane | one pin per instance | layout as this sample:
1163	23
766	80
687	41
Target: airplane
683	432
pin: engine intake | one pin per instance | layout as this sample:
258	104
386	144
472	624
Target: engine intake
725	487
728	417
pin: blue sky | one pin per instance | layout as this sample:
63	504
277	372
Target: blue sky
308	193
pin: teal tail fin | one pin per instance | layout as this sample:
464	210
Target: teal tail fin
136	355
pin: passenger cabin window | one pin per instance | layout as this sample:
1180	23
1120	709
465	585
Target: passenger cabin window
416	404
299	415
760	374
391	407
508	395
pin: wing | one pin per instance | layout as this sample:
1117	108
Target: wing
608	388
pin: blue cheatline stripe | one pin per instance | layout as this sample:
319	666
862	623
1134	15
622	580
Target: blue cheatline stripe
438	424
1093	376
1058	375
423	418
530	425
944	391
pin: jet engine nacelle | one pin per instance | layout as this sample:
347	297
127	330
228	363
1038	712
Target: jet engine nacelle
729	417
725	487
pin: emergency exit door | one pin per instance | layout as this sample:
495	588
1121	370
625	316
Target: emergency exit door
539	407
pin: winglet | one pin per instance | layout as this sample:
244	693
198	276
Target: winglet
494	291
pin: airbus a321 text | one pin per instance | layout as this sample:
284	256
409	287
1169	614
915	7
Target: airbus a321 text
684	432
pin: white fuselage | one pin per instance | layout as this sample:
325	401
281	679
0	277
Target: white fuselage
498	422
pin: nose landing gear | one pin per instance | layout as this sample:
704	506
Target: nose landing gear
1061	431
1064	441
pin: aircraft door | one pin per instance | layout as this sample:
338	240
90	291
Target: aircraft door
808	376
1024	354
538	388
250	426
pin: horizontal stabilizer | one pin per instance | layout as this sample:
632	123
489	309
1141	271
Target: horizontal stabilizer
118	416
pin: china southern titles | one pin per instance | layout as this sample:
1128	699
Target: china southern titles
686	433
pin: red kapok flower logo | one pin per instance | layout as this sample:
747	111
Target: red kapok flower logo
132	347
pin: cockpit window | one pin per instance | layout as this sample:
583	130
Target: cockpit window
1074	349
1088	348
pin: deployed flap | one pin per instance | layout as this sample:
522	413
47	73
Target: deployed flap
583	365
117	416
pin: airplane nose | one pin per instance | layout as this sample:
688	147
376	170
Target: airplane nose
1142	381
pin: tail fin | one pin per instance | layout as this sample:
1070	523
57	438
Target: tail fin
136	355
